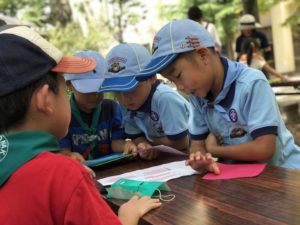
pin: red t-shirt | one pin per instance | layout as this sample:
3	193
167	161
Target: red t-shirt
53	189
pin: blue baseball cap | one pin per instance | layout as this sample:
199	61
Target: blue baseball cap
174	38
124	62
91	81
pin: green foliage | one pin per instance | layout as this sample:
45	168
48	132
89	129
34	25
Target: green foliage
124	13
224	15
69	39
11	7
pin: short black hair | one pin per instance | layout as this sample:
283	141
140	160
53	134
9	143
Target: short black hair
14	106
195	13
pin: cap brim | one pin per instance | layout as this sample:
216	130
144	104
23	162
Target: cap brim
87	86
155	66
75	65
119	84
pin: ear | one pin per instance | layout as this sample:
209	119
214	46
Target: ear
42	99
204	54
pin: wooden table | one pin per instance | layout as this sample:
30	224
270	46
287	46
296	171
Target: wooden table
271	198
293	83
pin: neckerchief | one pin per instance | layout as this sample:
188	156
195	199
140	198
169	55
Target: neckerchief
90	130
18	148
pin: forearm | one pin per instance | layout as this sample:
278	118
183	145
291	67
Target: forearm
141	140
267	68
128	219
180	144
118	145
262	148
198	146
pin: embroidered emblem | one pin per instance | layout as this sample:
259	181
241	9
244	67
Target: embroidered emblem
3	147
237	132
158	128
192	42
233	115
115	68
182	45
154	116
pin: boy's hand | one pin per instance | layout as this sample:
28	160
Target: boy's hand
77	156
74	155
198	161
145	151
135	208
130	147
90	171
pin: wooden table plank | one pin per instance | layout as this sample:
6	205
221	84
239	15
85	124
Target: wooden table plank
271	198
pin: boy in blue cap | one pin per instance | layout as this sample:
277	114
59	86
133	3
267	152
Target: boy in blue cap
96	123
233	102
154	113
37	186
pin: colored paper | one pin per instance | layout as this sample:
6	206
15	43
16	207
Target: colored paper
231	171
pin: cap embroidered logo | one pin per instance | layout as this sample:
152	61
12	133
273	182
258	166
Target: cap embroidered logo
115	68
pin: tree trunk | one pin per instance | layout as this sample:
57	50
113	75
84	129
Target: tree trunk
60	12
250	7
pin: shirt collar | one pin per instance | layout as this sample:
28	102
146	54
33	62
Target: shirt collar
146	107
18	148
226	95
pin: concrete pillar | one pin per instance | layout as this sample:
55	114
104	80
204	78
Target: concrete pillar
282	37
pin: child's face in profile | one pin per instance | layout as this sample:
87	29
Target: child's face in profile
62	111
134	99
87	102
190	74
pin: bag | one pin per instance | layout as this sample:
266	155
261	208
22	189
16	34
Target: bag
125	189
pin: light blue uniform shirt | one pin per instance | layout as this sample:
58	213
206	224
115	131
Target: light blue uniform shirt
245	109
165	113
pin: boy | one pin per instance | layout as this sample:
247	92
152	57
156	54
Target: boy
230	100
95	129
196	14
37	186
155	114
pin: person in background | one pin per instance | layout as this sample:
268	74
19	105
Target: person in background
2	22
153	113
195	13
96	123
38	186
230	101
248	27
251	57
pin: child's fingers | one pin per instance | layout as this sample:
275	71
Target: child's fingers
214	168
135	197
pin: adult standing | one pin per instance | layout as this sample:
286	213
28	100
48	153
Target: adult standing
195	13
248	27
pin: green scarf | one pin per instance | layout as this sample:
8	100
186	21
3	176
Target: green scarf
90	131
18	148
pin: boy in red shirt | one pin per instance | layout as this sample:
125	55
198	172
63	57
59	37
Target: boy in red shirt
37	186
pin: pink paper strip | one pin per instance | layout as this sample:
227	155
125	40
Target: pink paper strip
231	171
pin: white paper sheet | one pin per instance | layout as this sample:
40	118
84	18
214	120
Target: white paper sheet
162	172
